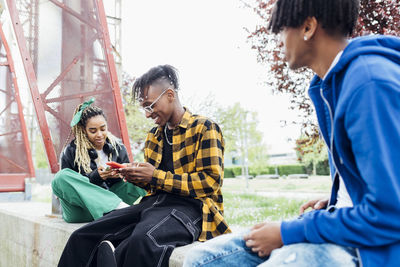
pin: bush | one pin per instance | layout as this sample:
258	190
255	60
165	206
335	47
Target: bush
233	171
291	169
237	170
309	168
323	168
259	170
228	172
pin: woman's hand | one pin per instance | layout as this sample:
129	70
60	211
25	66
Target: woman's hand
108	173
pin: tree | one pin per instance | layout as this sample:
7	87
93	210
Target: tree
205	106
239	128
380	16
311	154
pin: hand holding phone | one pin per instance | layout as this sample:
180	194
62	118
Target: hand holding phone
115	165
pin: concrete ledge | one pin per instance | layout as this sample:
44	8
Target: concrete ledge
30	236
178	255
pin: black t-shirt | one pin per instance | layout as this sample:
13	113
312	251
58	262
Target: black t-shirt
167	163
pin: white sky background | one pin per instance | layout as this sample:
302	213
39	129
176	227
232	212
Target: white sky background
207	42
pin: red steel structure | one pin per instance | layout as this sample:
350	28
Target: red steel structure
73	62
15	154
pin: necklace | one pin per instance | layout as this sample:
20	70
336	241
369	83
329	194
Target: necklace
166	137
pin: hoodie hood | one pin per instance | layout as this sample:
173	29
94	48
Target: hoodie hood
386	46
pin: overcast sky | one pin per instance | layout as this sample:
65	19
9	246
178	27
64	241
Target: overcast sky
207	42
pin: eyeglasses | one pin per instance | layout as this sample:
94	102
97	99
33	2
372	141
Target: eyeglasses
149	108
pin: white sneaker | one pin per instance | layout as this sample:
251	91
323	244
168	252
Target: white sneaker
122	205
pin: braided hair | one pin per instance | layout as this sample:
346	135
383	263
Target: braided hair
335	16
161	73
82	142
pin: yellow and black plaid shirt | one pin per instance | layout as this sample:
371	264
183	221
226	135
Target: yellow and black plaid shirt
198	158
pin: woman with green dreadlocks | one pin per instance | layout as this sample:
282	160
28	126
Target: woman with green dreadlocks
87	189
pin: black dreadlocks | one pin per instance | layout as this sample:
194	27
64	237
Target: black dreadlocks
335	16
154	75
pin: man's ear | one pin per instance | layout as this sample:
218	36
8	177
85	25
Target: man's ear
171	94
309	28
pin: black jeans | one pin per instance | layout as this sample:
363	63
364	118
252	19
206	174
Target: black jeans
143	235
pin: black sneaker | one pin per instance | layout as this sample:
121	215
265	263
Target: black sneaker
105	255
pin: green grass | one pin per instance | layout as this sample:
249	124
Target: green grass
245	207
314	184
245	210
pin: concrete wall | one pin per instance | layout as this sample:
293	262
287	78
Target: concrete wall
31	237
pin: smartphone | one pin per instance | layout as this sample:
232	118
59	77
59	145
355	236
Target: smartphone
115	165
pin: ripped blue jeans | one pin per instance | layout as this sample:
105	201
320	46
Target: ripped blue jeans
231	250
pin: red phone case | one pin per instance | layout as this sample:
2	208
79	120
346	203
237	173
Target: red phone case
115	165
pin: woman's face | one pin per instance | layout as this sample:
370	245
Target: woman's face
96	130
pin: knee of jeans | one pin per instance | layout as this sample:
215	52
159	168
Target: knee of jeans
193	257
220	246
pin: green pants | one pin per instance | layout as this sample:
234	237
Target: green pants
82	201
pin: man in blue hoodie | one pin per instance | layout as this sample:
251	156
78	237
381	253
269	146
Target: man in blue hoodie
356	94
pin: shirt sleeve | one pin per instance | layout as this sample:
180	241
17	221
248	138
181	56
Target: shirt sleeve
207	177
373	127
67	158
123	155
68	161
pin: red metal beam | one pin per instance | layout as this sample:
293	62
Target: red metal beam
32	81
8	186
68	68
13	163
114	78
55	114
74	96
9	133
7	106
19	104
74	13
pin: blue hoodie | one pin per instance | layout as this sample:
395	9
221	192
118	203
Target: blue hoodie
358	111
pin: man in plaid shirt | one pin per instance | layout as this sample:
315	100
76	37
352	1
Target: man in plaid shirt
183	175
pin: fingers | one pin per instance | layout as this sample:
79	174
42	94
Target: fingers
247	237
257	226
315	204
262	253
321	204
304	207
256	248
309	204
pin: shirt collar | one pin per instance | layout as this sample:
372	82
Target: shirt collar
183	124
334	62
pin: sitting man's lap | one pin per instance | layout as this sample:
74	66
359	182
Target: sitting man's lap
231	250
